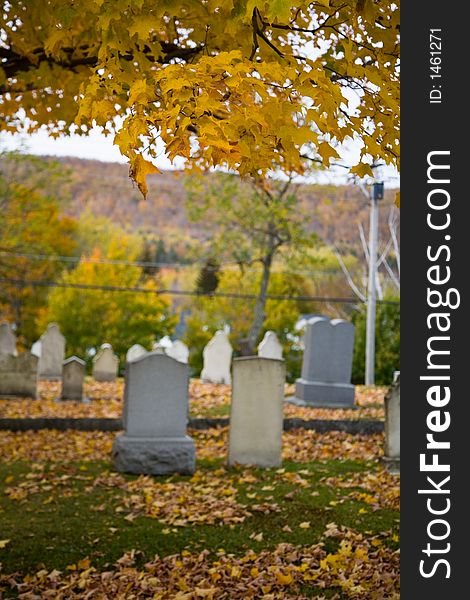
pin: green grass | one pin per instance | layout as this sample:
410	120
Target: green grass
56	528
215	412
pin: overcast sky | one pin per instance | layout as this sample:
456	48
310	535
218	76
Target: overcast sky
97	146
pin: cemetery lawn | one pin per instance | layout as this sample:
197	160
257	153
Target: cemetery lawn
311	529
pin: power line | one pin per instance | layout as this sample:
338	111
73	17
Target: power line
130	263
234	295
100	261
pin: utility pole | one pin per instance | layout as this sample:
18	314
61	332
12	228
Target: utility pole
377	193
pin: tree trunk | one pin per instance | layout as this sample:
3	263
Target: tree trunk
248	346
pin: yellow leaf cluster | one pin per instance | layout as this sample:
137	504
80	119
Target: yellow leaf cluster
220	83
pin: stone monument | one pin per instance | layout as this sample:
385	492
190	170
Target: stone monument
327	364
256	416
155	418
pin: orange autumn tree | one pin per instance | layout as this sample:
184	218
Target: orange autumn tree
249	85
32	225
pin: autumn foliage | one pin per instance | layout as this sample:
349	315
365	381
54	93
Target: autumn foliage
252	85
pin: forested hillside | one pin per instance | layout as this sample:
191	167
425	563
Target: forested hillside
106	190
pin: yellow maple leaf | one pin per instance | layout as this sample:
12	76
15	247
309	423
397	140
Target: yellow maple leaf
284	579
362	170
4	543
327	152
138	92
139	170
83	564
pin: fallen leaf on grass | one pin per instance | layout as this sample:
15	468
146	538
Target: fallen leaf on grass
359	569
201	500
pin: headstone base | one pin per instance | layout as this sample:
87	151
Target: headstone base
154	456
247	459
391	464
323	394
102	377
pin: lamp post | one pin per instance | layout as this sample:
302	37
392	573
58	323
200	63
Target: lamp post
376	194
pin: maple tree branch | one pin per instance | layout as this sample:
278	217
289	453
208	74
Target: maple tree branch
14	63
254	22
259	32
303	29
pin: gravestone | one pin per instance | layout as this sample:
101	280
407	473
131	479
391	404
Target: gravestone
164	343
392	427
52	353
256	416
158	348
19	375
270	346
36	348
217	357
73	374
155	418
134	352
105	364
327	364
7	340
179	351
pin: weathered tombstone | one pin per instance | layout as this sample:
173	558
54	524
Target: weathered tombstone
217	357
134	352
179	351
36	348
164	342
7	340
105	364
73	374
256	415
327	364
270	346
52	353
19	375
155	417
157	347
392	427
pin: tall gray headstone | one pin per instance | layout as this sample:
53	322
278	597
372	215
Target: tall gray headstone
19	375
73	374
327	364
7	340
52	353
256	414
155	418
217	357
270	346
105	364
392	427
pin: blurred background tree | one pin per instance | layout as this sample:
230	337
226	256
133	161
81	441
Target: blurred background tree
387	342
259	224
33	196
89	318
